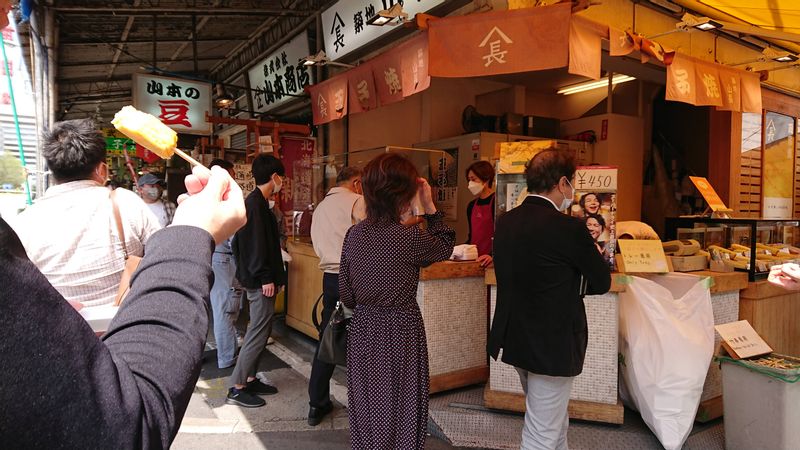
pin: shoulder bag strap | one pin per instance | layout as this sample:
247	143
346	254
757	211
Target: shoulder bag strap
118	221
314	317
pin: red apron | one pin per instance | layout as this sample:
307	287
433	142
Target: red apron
482	223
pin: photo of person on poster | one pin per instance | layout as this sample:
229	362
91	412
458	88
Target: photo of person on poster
598	210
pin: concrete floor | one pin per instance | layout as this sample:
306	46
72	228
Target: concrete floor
456	418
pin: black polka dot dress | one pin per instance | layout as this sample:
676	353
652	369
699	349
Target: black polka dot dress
387	353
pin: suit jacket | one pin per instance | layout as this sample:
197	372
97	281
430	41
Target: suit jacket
257	246
540	258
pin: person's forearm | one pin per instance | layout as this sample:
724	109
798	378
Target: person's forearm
159	333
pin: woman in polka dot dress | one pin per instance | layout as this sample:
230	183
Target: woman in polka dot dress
387	353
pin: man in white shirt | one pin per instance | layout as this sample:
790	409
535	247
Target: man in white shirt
70	233
342	207
152	188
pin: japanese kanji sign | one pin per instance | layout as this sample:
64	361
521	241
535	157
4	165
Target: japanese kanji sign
643	256
180	104
741	340
500	42
362	95
388	72
705	83
344	25
414	64
115	145
279	74
329	100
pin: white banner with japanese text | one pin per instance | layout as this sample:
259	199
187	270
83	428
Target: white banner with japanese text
280	76
344	25
180	104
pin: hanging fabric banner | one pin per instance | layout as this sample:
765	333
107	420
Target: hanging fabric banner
362	95
681	80
706	83
731	90
500	42
709	90
388	72
584	47
328	100
414	65
620	43
751	92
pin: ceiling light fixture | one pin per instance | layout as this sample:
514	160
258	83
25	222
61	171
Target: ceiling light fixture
224	99
322	59
591	85
700	23
387	16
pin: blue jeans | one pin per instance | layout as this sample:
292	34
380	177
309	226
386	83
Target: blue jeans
225	308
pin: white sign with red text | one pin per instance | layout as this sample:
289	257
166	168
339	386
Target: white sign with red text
180	104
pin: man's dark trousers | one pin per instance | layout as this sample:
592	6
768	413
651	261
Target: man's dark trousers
319	386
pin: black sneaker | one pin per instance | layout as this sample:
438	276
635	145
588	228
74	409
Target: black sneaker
241	397
315	415
259	388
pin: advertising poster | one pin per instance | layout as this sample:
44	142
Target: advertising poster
444	182
596	204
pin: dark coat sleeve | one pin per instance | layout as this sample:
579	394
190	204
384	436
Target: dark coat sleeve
65	388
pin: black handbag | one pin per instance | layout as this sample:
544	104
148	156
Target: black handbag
333	343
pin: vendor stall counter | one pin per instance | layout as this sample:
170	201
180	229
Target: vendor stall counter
594	392
453	301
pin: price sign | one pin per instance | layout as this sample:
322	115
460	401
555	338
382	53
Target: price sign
643	256
741	340
709	194
596	178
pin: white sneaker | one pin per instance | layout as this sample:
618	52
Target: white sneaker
270	341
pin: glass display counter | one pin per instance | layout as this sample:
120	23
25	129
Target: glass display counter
754	244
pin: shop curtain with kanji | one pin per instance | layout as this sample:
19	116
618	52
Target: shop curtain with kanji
704	83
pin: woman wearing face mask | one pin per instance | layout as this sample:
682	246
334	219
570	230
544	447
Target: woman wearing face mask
151	190
480	212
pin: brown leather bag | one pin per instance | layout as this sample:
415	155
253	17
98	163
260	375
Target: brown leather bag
131	261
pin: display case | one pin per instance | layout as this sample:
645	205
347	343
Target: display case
510	168
758	243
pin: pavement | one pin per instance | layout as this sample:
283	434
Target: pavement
210	423
457	418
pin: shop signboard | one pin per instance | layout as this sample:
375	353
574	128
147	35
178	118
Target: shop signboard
243	175
344	25
279	74
643	256
180	104
741	340
444	182
595	203
116	145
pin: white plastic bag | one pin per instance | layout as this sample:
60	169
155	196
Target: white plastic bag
667	341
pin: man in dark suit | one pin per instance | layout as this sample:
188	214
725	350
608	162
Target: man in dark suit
545	262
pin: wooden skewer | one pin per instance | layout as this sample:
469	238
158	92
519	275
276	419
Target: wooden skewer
188	158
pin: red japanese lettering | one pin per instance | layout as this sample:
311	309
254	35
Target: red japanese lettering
173	112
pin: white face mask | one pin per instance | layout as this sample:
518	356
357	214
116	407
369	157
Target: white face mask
475	187
271	204
151	193
277	186
567	202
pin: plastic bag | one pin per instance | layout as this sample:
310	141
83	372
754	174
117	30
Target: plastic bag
667	341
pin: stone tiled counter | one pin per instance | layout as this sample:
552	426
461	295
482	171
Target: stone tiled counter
594	392
453	299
